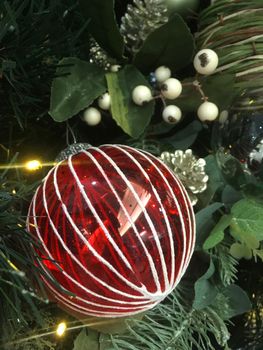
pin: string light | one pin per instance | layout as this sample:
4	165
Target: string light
12	265
33	165
9	262
61	329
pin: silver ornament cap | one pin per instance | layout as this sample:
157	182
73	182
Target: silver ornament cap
71	150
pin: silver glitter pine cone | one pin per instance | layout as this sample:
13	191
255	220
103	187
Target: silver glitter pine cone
189	169
140	20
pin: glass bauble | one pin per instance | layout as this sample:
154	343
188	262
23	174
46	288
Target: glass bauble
116	231
238	141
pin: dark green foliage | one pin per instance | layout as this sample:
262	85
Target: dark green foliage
34	35
77	85
103	25
171	45
17	263
133	119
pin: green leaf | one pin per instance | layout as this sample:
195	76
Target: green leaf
238	300
78	84
159	128
254	191
217	234
184	138
171	45
230	196
205	291
247	222
131	118
205	223
219	88
103	25
86	341
215	181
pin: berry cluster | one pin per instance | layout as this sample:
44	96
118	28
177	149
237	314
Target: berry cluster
92	116
167	88
205	63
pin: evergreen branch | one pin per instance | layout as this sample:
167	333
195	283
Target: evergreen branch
227	264
34	35
172	325
15	257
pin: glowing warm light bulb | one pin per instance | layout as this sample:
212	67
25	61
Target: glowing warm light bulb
33	165
12	265
61	329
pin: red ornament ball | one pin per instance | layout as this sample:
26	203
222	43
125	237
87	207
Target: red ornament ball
116	229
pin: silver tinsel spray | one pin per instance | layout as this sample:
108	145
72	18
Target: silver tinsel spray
141	19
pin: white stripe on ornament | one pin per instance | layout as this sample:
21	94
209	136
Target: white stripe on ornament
93	251
149	221
52	258
170	233
192	230
180	273
92	303
142	289
81	309
128	217
157	240
87	243
96	215
190	246
191	217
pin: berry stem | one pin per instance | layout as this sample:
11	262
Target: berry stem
198	87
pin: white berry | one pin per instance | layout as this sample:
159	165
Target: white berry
171	88
115	68
141	94
172	114
206	61
207	111
92	116
162	73
104	101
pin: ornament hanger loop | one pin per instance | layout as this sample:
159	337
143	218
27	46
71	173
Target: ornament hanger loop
69	129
